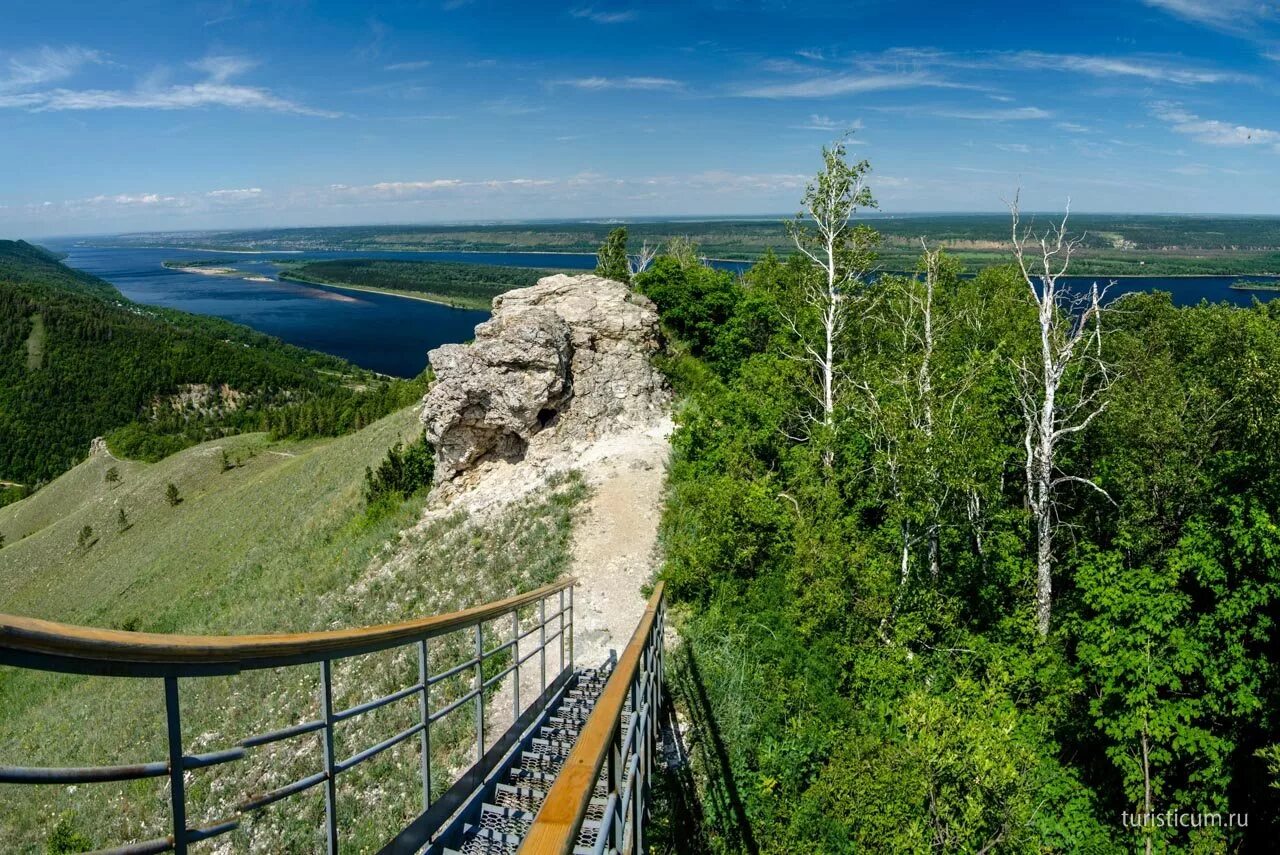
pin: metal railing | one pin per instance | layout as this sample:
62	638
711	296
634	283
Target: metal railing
619	739
49	646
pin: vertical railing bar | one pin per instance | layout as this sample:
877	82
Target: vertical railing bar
542	643
177	784
479	692
515	675
617	768
560	635
424	705
571	617
331	778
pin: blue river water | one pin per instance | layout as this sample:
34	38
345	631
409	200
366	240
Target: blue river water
393	334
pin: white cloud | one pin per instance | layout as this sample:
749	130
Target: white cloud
242	193
44	65
215	91
1143	68
511	107
1072	127
1013	114
1212	131
130	199
415	65
220	69
817	122
844	84
1232	16
174	98
604	17
600	83
1016	148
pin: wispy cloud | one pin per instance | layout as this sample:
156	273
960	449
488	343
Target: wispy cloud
1212	131
599	83
1071	127
1016	148
216	90
131	199
817	122
1155	70
415	65
601	16
236	194
844	84
511	107
220	69
1231	16
1013	114
42	66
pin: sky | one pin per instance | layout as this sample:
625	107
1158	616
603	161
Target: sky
212	114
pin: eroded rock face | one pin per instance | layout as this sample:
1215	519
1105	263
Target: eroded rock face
565	360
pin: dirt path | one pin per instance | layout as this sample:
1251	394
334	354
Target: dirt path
615	545
615	538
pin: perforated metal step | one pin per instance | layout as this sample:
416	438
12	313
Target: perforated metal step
505	819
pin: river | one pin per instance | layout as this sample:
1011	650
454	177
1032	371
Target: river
392	334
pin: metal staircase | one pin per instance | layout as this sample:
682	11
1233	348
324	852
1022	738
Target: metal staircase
570	774
500	822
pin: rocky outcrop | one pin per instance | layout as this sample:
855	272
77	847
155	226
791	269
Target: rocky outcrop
565	361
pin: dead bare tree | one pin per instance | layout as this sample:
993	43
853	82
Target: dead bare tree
840	252
1061	387
640	262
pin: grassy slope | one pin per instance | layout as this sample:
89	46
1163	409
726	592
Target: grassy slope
277	544
77	361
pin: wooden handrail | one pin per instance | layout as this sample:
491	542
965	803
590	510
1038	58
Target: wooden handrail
555	828
66	643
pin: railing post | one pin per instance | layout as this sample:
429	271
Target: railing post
424	705
560	636
571	626
542	643
177	783
617	769
515	647
331	775
479	692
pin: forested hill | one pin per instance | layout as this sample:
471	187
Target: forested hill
78	360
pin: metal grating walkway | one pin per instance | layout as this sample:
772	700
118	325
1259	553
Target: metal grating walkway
497	823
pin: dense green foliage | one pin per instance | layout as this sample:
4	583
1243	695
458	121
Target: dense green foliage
1118	243
463	285
849	694
78	360
611	257
405	472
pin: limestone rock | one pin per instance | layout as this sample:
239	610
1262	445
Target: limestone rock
563	361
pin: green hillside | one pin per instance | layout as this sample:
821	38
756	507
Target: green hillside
278	542
78	360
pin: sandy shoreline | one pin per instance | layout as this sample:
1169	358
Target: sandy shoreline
404	294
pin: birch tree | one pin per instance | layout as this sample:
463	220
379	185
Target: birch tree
1060	386
915	404
639	262
840	253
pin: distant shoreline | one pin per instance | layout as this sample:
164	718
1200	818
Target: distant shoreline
287	277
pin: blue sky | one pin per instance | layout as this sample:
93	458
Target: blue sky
126	116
